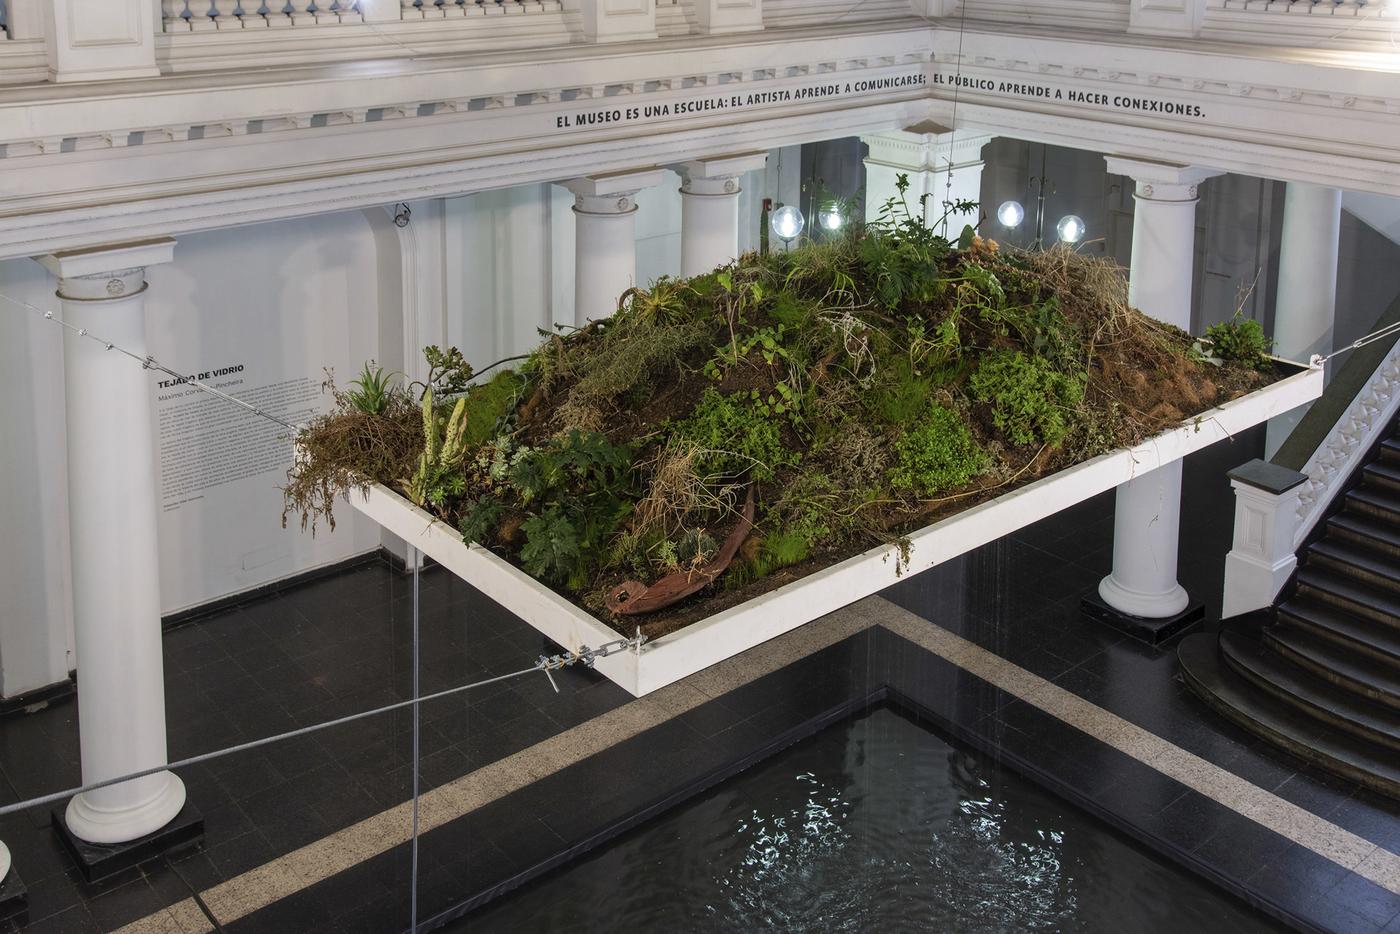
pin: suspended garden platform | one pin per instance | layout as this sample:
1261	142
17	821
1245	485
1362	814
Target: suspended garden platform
730	456
678	654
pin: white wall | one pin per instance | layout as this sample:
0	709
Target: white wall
36	607
286	301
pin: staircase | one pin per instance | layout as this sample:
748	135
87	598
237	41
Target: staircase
1319	673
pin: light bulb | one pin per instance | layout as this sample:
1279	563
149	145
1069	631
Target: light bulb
787	223
1071	228
832	219
1011	214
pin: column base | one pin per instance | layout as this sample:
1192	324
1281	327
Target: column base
14	896
99	860
1153	631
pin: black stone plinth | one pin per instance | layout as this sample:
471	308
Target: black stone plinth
1271	478
14	897
1151	631
98	861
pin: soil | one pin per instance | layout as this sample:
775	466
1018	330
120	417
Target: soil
1156	393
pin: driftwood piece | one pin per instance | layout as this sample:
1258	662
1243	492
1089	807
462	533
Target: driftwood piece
633	597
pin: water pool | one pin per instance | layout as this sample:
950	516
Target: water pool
875	824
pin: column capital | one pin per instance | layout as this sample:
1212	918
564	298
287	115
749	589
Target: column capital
1161	181
106	273
718	175
611	193
926	146
96	260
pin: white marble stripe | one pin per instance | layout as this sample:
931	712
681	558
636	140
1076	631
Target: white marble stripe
257	888
1323	837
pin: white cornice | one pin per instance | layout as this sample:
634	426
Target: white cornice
1316	117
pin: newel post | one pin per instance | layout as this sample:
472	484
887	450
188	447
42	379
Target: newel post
1266	521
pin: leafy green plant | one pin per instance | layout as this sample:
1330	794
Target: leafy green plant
737	435
938	453
370	391
1240	340
576	490
552	545
1031	399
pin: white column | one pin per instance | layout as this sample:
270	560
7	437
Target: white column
1147	518
605	239
942	164
1307	285
710	209
99	40
113	513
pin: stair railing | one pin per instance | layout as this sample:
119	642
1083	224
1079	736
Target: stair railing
1279	503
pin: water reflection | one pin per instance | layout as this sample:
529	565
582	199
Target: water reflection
876	825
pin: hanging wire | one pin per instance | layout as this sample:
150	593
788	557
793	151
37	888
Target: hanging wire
953	136
1363	341
546	664
151	363
414	556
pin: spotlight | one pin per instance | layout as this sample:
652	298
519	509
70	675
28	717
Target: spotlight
831	218
1071	228
1011	214
787	223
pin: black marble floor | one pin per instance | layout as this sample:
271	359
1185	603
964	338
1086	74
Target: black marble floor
342	645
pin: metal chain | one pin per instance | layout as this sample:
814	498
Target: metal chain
151	363
584	656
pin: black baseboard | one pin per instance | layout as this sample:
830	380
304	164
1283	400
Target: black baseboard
1151	631
196	613
14	896
39	698
98	861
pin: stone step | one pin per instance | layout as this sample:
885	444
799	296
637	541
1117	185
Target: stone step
1350	595
1351	633
1206	673
1390	450
1374	501
1382	474
1365	530
1356	561
1312	695
1358	672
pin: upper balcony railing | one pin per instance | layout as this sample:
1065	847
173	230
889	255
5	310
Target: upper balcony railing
195	15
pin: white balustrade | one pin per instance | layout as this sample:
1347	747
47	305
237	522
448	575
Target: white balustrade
1369	415
204	15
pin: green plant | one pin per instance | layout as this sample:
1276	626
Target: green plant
438	474
939	453
901	395
736	436
488	403
552	546
448	371
480	519
1031	400
1240	340
576	490
371	390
